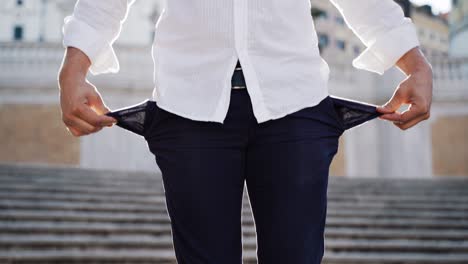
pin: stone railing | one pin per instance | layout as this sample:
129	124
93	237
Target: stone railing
450	78
35	66
26	65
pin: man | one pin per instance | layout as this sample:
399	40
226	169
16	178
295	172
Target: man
278	133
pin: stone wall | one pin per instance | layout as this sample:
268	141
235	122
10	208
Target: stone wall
450	146
338	166
35	133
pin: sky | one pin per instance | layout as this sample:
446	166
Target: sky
437	5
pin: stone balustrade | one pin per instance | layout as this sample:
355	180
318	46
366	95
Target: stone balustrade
35	66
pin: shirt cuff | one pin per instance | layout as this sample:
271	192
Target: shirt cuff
387	49
95	45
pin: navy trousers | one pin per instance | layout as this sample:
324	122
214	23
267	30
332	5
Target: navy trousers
284	164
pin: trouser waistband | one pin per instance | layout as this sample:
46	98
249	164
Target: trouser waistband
238	81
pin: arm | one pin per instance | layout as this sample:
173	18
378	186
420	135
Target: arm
88	37
391	39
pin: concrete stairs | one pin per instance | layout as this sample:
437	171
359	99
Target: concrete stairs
70	215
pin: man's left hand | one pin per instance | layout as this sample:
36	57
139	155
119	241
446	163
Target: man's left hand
415	90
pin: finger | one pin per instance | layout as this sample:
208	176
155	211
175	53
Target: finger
392	105
411	113
91	117
410	123
82	126
414	111
395	117
74	131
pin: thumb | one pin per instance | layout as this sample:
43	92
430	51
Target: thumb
95	101
97	104
393	104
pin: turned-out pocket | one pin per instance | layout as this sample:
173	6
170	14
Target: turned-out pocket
352	113
135	118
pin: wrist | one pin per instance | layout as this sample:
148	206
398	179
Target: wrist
413	61
75	65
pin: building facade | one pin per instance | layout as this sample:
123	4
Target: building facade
40	21
31	130
459	29
336	37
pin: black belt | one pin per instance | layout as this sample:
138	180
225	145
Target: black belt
238	81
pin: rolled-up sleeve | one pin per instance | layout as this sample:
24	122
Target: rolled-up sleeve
93	28
382	28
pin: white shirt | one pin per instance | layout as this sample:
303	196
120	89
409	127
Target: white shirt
198	42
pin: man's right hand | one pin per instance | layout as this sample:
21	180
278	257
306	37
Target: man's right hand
82	106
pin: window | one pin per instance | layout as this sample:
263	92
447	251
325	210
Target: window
323	40
421	32
339	20
323	15
18	33
319	13
356	50
340	44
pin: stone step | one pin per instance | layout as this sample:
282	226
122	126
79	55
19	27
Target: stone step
394	258
63	215
89	256
81	190
249	256
333	209
38	169
398	198
82	197
105	228
26	170
160	201
82	241
95	228
392	213
112	192
396	233
22	242
33	211
25	215
396	205
156	184
392	245
29	170
396	223
92	182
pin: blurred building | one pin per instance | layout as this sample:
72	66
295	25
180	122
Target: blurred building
433	30
336	37
459	29
40	21
31	130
